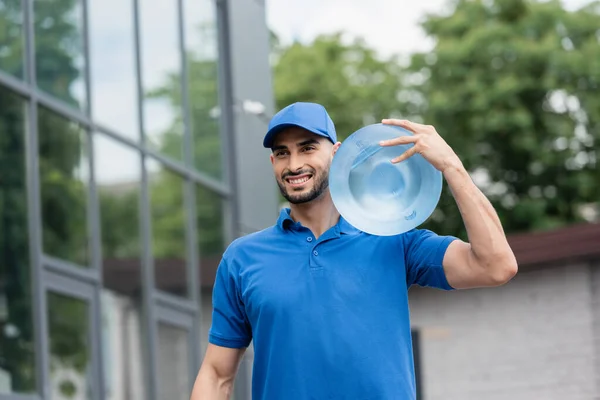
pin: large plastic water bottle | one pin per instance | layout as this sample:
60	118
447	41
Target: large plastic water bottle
375	195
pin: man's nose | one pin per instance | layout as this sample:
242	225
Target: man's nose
296	163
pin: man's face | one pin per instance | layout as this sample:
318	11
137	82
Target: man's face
301	162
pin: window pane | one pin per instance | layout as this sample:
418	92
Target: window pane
161	76
17	368
173	363
70	360
210	222
118	176
11	37
59	50
168	229
211	244
202	58
64	180
114	99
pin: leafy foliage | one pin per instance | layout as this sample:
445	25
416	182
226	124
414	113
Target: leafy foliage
353	84
512	86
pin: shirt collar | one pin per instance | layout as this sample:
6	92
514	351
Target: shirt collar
285	222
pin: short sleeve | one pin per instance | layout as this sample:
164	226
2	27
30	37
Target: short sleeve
423	254
230	326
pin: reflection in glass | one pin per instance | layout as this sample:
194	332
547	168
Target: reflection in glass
59	50
64	180
202	58
168	229
17	368
161	71
12	41
113	89
173	363
70	363
118	176
209	207
211	244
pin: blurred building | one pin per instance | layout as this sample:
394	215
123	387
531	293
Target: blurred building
536	338
130	156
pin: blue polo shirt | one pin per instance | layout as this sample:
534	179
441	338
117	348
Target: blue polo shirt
328	317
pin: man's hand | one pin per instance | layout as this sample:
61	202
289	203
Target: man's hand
427	142
487	260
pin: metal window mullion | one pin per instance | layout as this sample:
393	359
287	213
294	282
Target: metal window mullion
14	84
166	316
86	56
34	211
93	219
200	177
193	257
227	116
12	396
187	142
74	271
68	286
151	370
193	276
175	303
26	40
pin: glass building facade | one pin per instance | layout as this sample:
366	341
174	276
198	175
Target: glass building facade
119	191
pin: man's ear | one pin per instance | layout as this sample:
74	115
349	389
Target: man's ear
336	147
272	158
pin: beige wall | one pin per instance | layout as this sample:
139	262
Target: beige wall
536	338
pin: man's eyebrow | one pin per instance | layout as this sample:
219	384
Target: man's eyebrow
304	143
280	147
309	141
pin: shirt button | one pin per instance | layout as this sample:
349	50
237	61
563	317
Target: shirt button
309	239
316	253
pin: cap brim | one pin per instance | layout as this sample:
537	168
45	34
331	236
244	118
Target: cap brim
270	136
379	197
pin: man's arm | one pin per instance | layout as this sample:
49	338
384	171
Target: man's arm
217	373
487	260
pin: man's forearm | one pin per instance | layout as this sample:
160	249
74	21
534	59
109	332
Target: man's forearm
209	386
484	229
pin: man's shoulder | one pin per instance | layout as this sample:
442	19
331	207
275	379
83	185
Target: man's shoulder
252	241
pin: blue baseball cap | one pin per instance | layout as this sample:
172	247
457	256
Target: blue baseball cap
310	116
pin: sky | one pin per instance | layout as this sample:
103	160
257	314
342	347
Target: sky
386	25
389	26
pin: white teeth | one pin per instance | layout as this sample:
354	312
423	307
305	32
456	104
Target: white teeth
298	181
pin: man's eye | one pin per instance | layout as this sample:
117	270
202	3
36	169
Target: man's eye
308	148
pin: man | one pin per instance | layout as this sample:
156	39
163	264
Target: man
325	304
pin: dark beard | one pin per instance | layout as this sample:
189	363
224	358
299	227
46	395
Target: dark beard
320	185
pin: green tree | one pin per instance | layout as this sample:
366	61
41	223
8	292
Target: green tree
166	190
512	85
63	197
16	325
355	85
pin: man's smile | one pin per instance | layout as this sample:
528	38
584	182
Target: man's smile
298	180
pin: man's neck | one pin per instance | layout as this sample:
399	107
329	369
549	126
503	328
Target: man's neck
318	215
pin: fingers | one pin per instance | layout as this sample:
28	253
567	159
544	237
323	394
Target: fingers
398	140
409	125
403	123
408	153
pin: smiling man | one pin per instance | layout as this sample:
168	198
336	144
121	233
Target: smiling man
325	304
